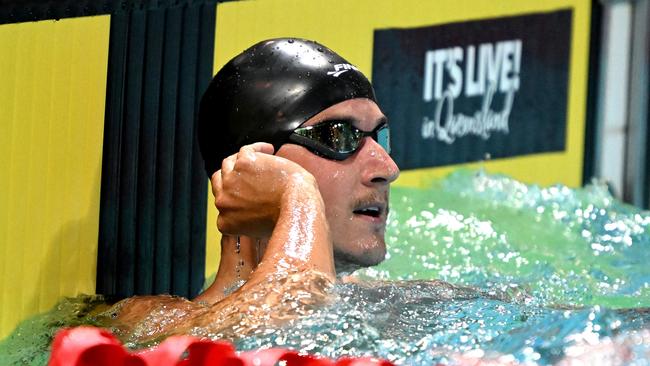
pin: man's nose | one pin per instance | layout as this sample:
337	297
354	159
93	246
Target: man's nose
379	168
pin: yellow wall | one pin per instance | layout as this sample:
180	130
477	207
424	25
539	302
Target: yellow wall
52	93
212	239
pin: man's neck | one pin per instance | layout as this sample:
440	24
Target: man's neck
239	257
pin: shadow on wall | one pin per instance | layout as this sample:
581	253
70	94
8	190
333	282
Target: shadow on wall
49	267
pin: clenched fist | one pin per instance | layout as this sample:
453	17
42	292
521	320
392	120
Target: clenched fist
253	186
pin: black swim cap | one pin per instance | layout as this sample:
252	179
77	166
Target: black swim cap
268	91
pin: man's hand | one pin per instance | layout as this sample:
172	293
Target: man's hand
251	188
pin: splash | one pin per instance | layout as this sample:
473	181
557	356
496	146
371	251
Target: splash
565	247
144	321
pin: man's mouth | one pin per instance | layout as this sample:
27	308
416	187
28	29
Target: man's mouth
372	210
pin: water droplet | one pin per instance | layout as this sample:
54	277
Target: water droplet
320	49
290	41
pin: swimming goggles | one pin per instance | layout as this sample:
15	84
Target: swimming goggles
338	139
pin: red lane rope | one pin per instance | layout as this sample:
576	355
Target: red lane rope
86	346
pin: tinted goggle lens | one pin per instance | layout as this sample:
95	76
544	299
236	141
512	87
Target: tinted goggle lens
338	139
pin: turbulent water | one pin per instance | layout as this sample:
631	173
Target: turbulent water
562	246
540	275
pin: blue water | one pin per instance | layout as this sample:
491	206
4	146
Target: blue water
539	275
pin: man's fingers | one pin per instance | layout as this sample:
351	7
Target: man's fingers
228	164
221	225
261	147
217	186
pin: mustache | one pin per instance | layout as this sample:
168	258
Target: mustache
372	198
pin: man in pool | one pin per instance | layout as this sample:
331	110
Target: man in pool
296	149
295	146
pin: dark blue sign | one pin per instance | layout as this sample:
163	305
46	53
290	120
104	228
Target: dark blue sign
459	92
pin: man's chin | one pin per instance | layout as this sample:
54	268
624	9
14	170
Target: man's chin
347	263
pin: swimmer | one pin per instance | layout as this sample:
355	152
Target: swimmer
296	149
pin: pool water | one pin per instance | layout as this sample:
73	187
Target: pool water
560	246
539	274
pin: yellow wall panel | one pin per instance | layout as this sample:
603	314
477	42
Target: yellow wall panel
212	239
52	95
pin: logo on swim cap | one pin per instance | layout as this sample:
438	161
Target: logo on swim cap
341	68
